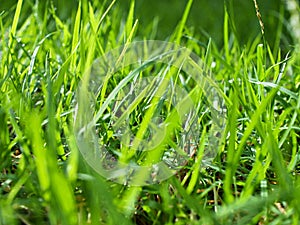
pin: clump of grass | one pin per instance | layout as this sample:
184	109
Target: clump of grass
44	179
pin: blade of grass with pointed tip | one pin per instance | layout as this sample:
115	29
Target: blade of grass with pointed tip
179	31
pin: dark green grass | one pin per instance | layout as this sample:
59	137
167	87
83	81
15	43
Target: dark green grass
254	179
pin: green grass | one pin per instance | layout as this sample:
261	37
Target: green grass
44	179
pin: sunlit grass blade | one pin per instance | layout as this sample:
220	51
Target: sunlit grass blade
75	39
179	32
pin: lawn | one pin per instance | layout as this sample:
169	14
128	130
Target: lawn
104	119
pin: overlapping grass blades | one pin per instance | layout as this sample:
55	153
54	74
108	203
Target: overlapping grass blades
44	180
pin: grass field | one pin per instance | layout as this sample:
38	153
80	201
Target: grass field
45	179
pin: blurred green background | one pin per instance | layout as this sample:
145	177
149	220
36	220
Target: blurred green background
205	19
